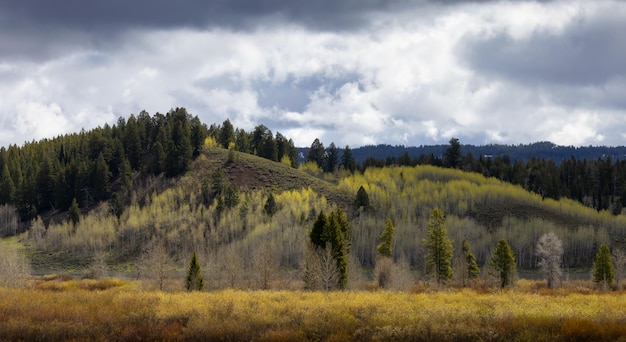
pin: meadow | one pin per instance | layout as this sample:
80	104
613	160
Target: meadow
109	309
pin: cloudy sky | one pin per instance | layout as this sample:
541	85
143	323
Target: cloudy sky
355	72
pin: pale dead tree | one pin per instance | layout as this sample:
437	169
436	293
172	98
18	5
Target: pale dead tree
320	269
155	263
619	264
15	267
37	233
550	252
232	267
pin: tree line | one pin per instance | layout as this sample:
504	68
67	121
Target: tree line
597	183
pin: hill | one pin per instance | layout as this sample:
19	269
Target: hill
112	198
234	235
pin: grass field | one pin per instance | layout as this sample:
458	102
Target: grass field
105	310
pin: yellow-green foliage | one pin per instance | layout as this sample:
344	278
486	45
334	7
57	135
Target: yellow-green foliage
261	315
481	209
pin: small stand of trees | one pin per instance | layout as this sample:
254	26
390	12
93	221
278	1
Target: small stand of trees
330	236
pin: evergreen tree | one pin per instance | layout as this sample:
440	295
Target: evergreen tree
316	153
550	251
333	231
452	155
362	198
231	196
317	233
7	186
194	280
439	247
603	271
74	213
385	247
268	149
270	207
503	262
100	179
331	159
260	132
242	141
347	160
132	142
198	134
472	271
226	134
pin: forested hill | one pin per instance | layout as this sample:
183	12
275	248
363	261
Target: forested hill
522	152
77	171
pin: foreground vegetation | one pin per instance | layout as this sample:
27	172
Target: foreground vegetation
114	310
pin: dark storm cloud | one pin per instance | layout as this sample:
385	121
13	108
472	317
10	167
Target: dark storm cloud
123	14
590	51
38	30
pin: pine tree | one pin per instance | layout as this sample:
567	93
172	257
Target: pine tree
362	198
439	247
331	159
227	134
7	186
385	247
473	271
347	160
270	207
603	271
194	280
452	155
316	153
333	231
74	213
503	262
550	251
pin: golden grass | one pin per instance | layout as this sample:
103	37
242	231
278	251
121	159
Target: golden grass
123	313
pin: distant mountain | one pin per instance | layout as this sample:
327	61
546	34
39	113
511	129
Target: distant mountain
523	152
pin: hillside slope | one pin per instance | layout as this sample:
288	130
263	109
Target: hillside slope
232	231
252	173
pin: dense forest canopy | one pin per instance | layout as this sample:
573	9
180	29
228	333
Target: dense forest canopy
89	167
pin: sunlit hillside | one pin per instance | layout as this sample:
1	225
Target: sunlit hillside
218	209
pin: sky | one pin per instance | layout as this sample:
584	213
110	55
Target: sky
352	72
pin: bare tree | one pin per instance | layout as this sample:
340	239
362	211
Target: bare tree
392	276
383	272
232	267
99	267
155	263
265	265
550	252
320	269
15	267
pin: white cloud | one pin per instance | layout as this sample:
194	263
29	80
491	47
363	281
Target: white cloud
402	80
